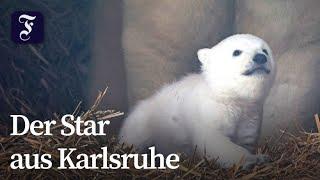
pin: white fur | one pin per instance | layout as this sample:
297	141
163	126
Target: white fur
219	110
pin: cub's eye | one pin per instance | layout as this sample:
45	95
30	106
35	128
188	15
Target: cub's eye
265	51
236	52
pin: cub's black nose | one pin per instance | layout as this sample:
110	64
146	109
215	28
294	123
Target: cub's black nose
260	58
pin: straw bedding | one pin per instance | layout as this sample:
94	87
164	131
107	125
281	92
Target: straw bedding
293	156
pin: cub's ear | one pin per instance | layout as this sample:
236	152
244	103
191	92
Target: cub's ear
203	55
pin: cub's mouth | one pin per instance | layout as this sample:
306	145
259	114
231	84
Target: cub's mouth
256	70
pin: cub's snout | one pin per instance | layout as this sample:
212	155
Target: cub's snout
260	59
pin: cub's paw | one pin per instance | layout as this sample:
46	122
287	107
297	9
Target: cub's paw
257	159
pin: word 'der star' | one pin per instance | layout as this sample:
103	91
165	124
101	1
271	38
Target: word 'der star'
72	125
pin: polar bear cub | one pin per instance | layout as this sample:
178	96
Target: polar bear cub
218	110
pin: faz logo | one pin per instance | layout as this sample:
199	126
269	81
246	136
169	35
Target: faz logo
27	27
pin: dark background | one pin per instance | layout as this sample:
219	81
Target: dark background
38	80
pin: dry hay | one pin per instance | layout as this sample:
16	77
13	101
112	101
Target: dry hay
292	156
